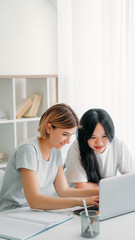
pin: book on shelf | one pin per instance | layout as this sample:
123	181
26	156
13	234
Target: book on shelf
29	112
37	105
33	110
23	106
27	223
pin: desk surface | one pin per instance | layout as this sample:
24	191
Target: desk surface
122	227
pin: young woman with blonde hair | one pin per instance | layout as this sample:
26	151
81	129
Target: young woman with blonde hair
36	165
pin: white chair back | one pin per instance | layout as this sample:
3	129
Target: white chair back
1	178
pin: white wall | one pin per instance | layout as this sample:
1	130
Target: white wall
28	37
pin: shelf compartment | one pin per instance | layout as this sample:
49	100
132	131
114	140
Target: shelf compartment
25	130
6	97
7	143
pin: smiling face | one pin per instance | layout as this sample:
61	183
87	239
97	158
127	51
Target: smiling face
58	137
99	140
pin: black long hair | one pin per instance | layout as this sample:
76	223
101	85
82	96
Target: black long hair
88	122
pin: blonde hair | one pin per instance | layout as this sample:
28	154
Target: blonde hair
60	116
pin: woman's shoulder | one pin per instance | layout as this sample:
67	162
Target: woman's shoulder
26	150
116	140
75	143
116	143
28	144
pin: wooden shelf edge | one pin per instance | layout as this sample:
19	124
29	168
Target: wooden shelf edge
29	76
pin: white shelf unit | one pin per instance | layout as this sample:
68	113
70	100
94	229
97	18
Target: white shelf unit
12	90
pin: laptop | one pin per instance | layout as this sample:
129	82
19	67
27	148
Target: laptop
116	196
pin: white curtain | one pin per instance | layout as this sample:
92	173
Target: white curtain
96	58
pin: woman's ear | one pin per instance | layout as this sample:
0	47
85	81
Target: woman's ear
48	128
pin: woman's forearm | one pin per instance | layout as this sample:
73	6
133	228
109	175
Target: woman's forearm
48	203
51	203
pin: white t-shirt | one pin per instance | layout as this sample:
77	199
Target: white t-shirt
28	155
115	157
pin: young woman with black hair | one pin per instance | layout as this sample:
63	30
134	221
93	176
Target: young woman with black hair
96	153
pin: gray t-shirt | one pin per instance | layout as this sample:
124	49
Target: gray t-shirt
28	155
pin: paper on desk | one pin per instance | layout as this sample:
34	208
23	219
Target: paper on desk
45	217
25	224
18	229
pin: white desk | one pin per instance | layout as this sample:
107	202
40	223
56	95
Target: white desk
118	228
122	227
